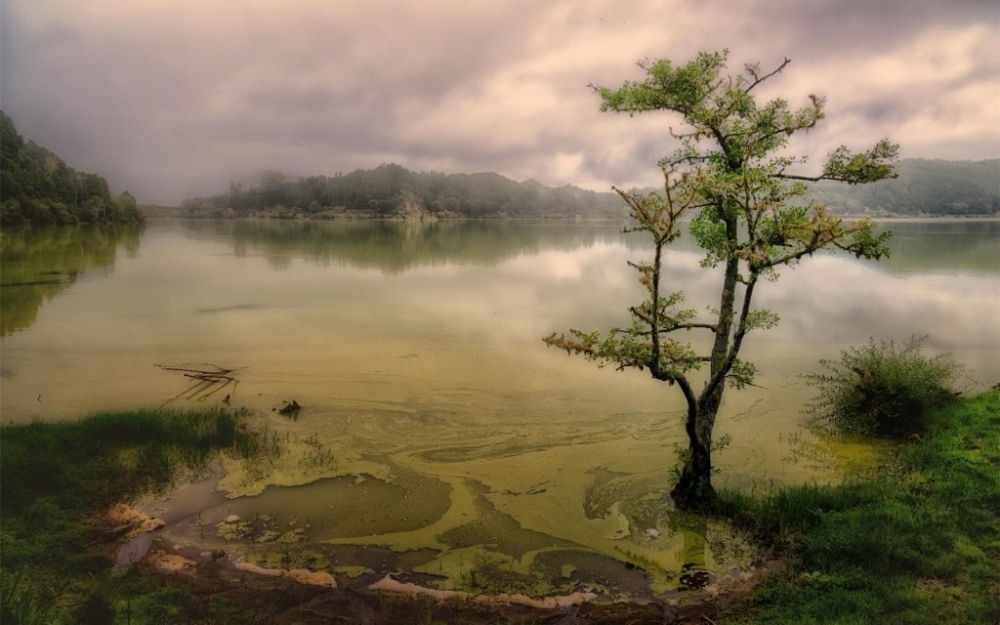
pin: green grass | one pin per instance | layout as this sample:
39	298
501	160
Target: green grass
57	481
918	541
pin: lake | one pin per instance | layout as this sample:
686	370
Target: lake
438	438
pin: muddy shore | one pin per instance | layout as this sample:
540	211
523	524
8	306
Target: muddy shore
287	597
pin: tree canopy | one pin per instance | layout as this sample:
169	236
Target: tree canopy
40	189
746	202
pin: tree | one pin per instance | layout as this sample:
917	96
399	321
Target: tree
274	188
126	207
728	174
38	188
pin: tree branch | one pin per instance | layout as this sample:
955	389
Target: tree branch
679	326
760	79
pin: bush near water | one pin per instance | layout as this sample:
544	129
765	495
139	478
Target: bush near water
883	388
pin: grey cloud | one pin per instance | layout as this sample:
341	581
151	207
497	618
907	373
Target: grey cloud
856	27
172	99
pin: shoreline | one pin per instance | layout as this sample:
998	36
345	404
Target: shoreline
319	594
142	546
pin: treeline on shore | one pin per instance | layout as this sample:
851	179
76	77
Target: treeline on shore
923	188
39	189
391	190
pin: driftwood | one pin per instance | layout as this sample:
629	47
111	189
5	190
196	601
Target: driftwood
209	380
215	374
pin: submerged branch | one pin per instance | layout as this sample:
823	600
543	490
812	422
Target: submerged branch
210	380
218	371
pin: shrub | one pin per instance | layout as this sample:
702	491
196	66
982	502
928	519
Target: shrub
26	605
882	388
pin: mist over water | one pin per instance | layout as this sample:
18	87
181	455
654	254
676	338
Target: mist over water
438	436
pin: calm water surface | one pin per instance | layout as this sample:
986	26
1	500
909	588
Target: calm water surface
438	435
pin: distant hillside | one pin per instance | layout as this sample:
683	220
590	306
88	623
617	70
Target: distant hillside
39	189
390	190
924	187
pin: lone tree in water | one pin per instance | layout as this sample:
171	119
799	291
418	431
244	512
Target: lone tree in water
747	216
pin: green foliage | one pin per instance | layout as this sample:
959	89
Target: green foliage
741	374
883	388
915	543
39	189
23	604
98	605
631	347
871	166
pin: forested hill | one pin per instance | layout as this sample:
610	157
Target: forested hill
924	187
37	188
392	190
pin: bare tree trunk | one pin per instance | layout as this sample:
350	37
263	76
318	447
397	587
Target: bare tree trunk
694	490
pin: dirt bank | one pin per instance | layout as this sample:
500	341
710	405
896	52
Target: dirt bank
287	597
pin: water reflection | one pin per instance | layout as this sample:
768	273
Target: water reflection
398	246
38	264
436	434
394	246
941	244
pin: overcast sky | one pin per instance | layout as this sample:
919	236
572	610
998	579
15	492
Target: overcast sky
175	98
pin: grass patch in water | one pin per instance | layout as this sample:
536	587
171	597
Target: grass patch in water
918	541
57	482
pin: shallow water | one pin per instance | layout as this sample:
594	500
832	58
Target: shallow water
438	435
